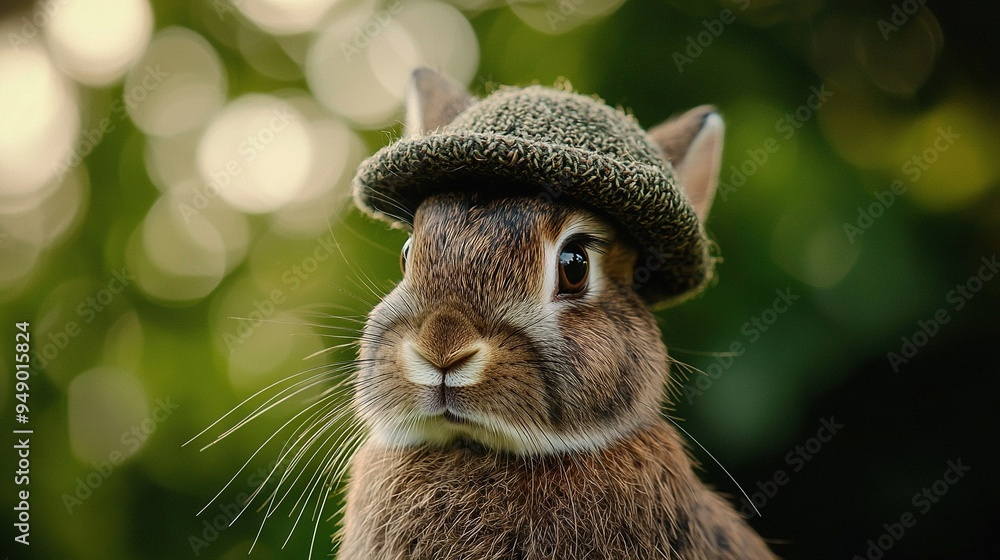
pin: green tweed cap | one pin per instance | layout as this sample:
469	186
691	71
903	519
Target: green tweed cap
565	147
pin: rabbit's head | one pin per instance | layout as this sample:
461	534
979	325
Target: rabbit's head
518	325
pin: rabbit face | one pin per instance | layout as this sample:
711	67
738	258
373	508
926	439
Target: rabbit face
515	328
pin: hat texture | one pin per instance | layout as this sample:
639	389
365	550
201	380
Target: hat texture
565	147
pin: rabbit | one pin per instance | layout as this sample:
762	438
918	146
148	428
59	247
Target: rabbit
511	383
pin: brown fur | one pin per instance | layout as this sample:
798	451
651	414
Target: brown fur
567	455
635	499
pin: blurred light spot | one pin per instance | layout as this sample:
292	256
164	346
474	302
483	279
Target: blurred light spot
124	342
338	152
257	153
342	79
171	164
310	219
95	41
231	225
359	65
178	244
106	411
253	364
948	157
71	320
260	339
26	202
19	261
744	412
890	283
296	47
51	217
944	157
861	126
218	20
38	109
284	17
266	55
332	145
900	61
811	248
831	60
177	84
428	34
472	5
862	130
562	16
827	259
176	257
170	160
766	13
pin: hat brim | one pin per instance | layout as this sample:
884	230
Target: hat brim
673	259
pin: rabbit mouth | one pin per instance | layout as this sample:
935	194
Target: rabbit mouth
453	418
449	426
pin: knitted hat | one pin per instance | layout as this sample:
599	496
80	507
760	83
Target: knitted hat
558	144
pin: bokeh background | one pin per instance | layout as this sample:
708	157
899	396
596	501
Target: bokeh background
175	224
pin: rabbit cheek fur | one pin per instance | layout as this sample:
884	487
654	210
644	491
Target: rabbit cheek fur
508	421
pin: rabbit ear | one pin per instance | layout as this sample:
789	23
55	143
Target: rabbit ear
432	101
692	142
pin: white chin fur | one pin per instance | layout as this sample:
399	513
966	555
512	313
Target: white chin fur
500	436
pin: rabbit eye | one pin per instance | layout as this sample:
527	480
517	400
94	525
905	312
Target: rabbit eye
404	255
573	268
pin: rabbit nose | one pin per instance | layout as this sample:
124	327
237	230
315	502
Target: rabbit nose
456	360
466	367
456	369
